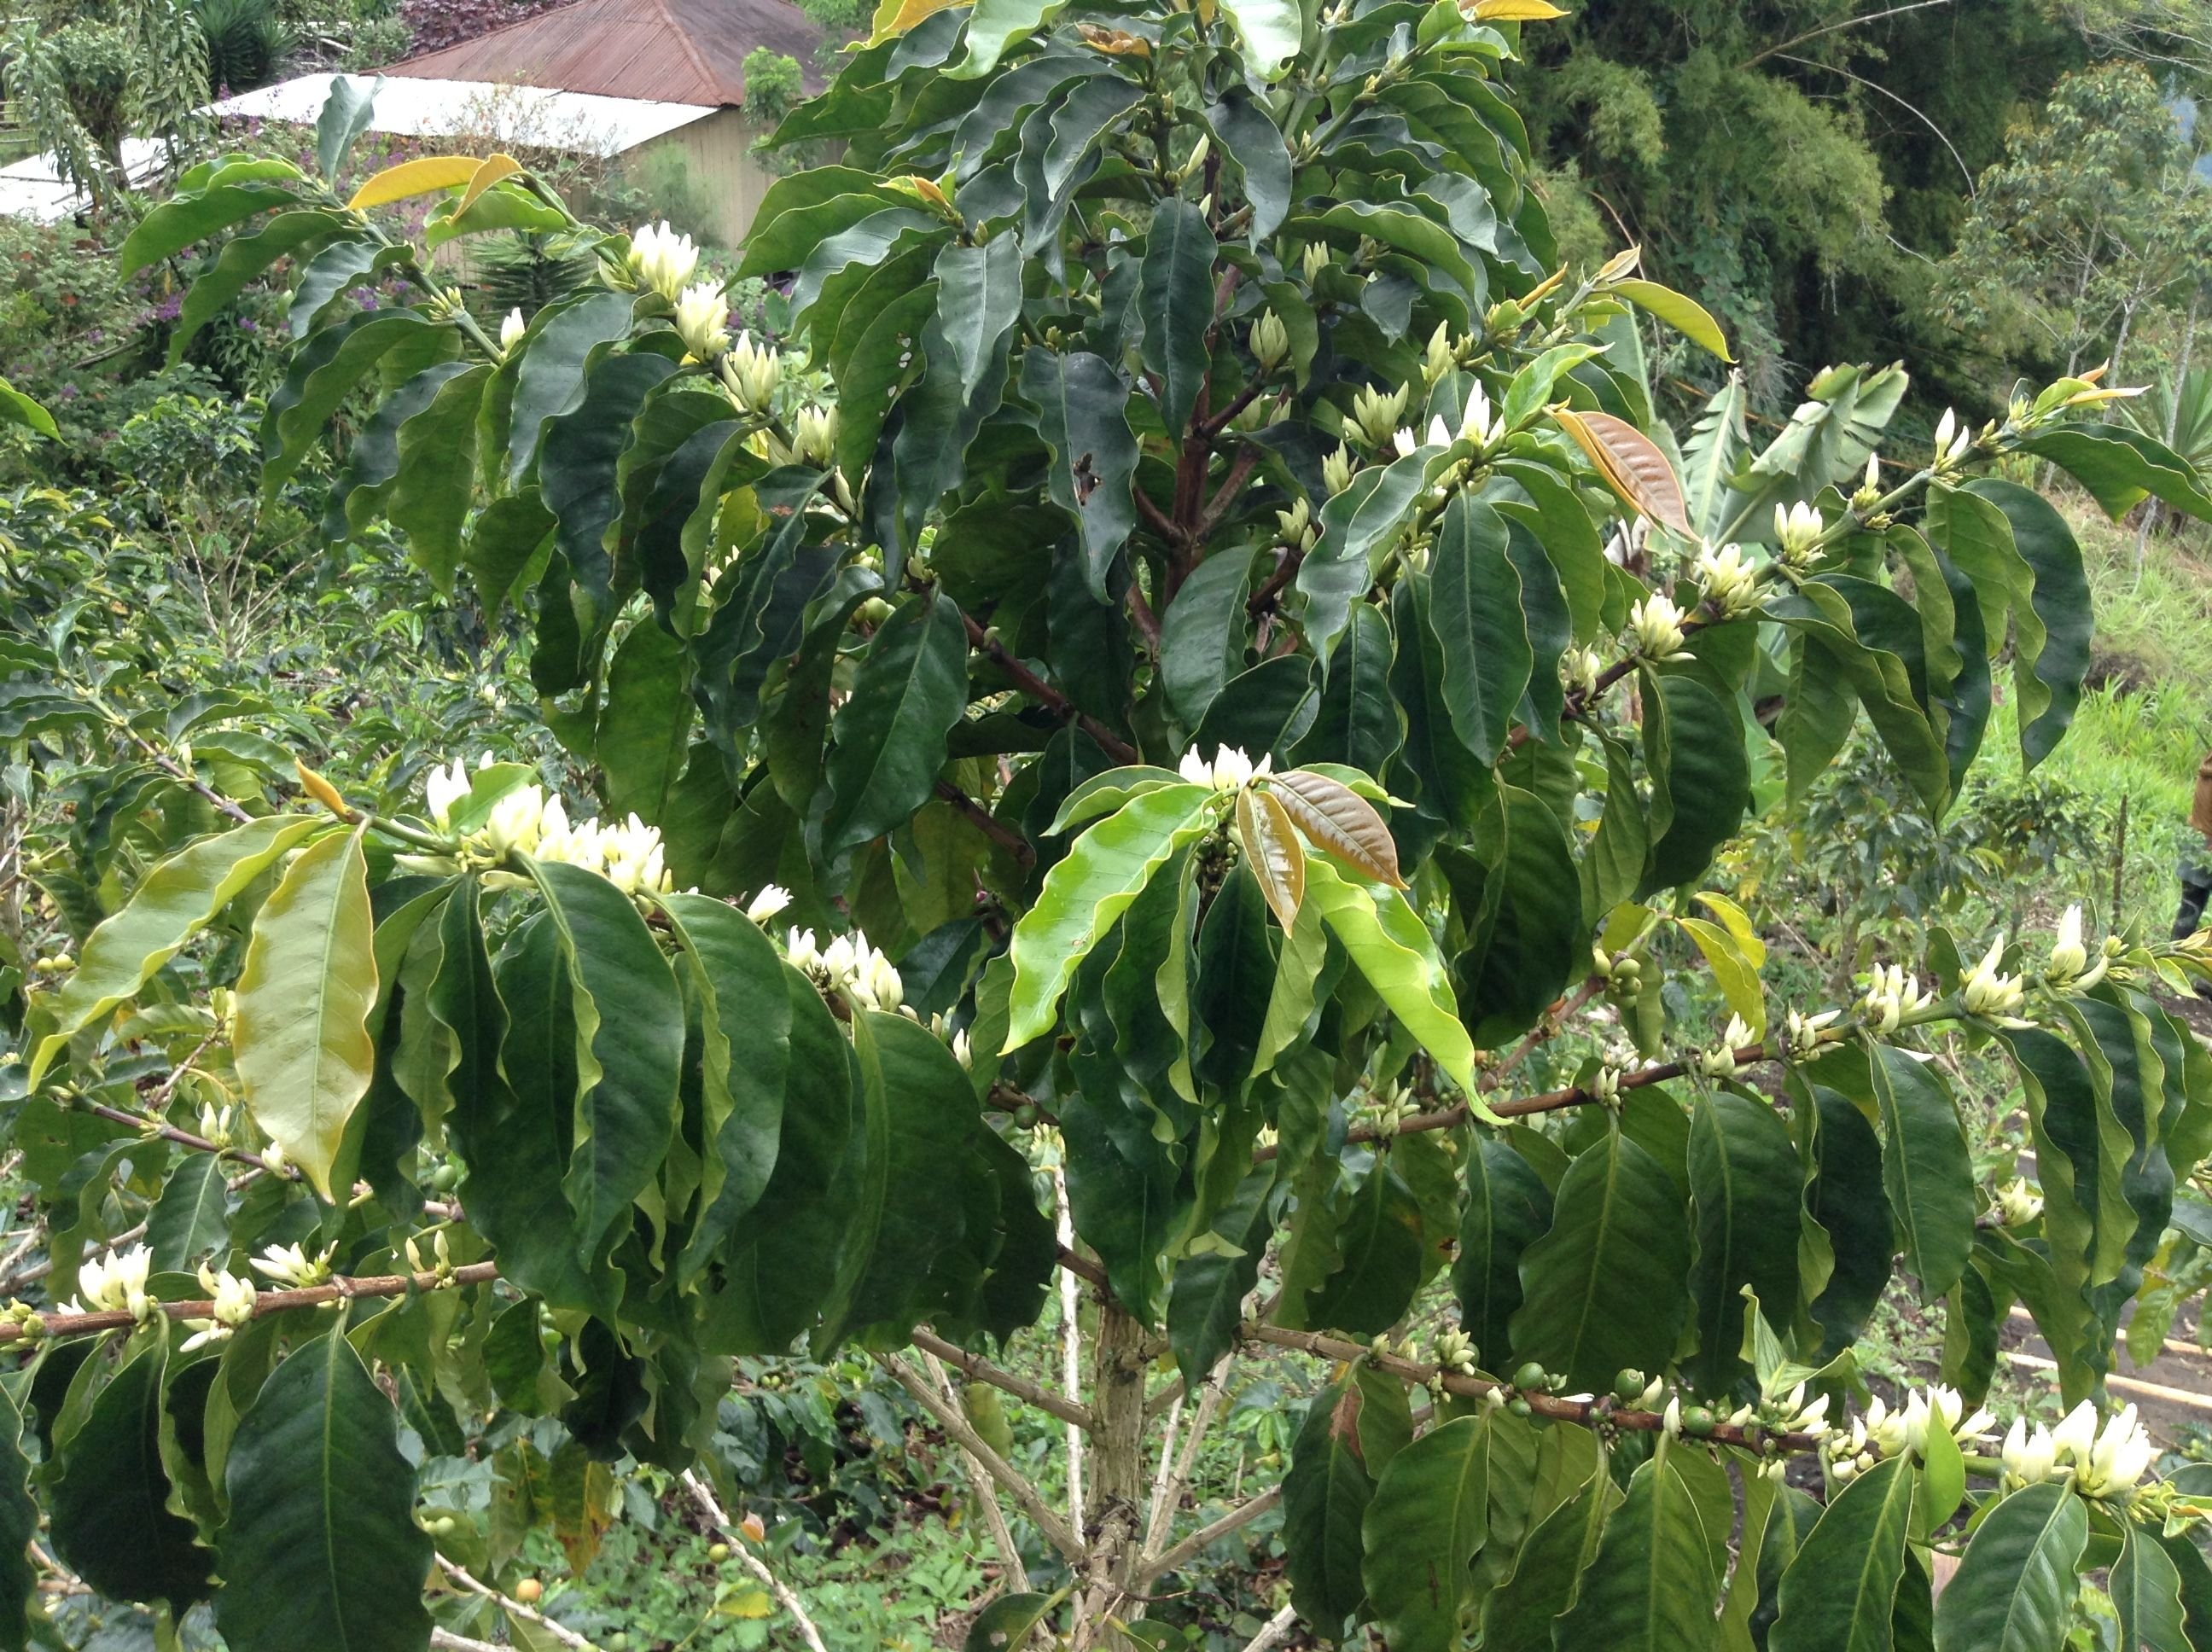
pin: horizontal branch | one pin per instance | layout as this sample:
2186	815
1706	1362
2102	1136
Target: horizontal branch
979	1369
267	1302
1586	1413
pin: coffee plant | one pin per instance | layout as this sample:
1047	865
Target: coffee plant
1190	648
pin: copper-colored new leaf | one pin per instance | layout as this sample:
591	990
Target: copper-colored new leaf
1337	819
1630	464
1272	848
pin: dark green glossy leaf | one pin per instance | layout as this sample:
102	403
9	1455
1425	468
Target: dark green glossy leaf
1430	1514
1840	1591
912	688
1082	408
1475	604
1744	1190
630	1044
1926	1170
1175	300
108	1496
1604	1288
321	1547
2014	1588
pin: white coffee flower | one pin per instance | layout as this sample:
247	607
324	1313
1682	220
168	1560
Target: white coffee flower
1295	525
1953	440
1477	423
511	329
1403	443
1939	1407
662	259
1804	1035
1989	992
1892	995
752	372
1656	625
2029	1454
234	1300
115	1284
772	900
1230	771
1580	669
1271	341
514	821
1719	1062
2069	955
1315	259
1730	583
2018	1203
2107	1461
444	787
702	317
1797	531
290	1265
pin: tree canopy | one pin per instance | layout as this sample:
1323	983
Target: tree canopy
1191	637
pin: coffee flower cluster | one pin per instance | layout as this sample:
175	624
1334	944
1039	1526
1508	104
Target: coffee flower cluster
115	1284
525	820
848	965
1885	1432
2104	1462
1232	771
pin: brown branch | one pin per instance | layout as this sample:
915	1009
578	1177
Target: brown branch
1550	1101
1205	1536
514	1608
153	1127
979	1369
1214	424
741	1552
1044	694
1240	472
988	823
1057	1532
1586	1413
1147	622
1286	569
268	1301
1158	520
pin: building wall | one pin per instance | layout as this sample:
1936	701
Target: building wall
718	151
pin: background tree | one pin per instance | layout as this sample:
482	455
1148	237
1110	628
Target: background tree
2096	221
1153	673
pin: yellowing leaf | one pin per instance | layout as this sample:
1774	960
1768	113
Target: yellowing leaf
1630	464
1114	42
749	1603
305	1056
896	16
498	167
1273	851
411	177
1683	313
322	791
1736	976
1514	11
1738	923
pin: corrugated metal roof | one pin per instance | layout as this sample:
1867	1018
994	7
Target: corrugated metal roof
528	116
668	50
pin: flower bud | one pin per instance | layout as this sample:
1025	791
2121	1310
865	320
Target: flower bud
1271	341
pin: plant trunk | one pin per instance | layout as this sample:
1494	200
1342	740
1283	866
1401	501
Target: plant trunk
1115	1485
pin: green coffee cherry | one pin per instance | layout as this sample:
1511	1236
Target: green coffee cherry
718	1552
1697	1421
1519	1406
1532	1375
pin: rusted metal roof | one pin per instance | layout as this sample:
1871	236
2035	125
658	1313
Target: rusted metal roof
666	51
